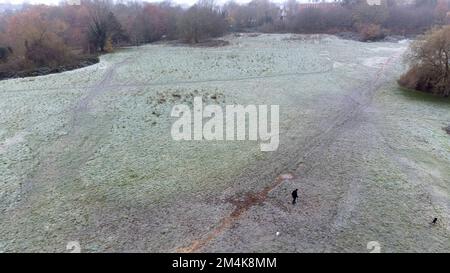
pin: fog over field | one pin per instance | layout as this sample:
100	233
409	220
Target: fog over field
87	155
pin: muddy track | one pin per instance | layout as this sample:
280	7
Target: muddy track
242	205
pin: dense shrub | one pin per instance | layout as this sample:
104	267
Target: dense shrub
429	60
417	78
371	32
47	53
5	52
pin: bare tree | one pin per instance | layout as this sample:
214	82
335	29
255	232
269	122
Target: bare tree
104	27
201	21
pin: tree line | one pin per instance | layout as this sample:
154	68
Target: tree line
40	35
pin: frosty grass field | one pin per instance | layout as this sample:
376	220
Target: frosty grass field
87	155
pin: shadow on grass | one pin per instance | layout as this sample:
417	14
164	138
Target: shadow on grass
123	49
426	99
415	95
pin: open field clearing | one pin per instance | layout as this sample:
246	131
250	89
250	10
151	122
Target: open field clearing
87	155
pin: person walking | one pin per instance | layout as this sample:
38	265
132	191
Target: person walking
294	196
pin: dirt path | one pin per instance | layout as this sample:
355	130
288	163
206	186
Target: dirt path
74	139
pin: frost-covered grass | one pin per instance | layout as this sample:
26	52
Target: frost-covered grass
163	64
87	155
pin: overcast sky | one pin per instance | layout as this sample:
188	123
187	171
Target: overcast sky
57	1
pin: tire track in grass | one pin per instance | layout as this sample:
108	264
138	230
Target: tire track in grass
104	84
43	194
73	138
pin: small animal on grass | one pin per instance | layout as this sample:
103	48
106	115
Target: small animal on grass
294	196
447	129
434	221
